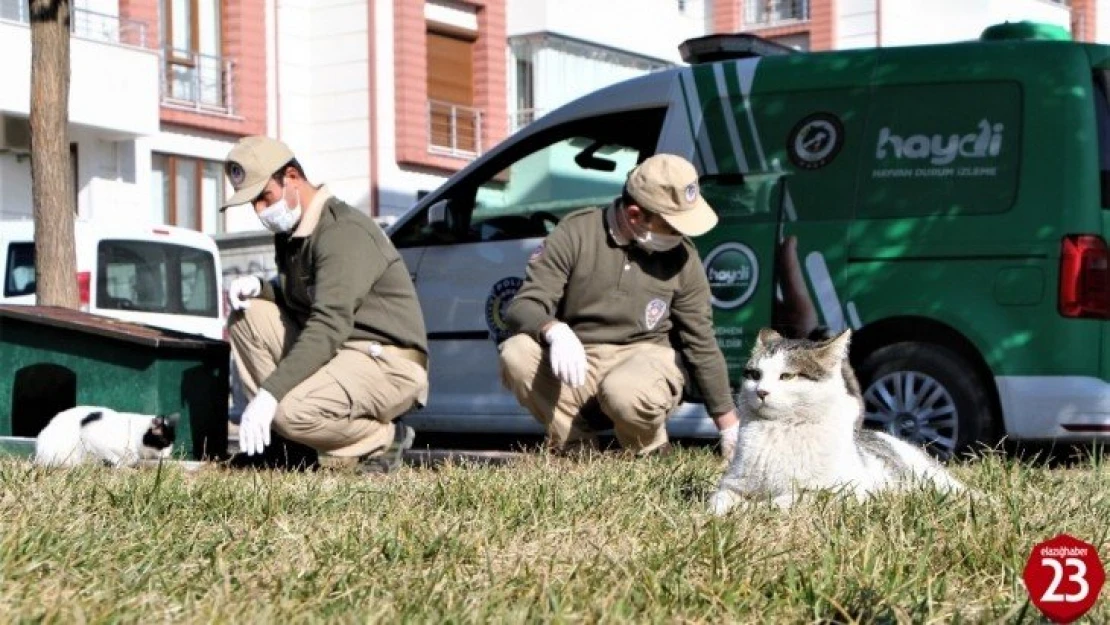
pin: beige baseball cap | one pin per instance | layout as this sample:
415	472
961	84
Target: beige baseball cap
250	164
667	185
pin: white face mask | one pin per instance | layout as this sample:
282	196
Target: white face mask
653	241
279	218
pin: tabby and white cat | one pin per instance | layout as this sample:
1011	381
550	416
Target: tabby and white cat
100	434
801	413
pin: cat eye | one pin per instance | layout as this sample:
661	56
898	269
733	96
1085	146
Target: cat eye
753	374
788	376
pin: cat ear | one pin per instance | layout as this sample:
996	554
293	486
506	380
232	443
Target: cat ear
171	419
766	335
836	348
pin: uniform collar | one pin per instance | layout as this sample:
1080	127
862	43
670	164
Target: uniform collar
611	225
312	212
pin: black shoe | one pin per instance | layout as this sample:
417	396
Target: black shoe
393	457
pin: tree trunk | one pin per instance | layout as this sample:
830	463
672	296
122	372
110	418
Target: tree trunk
51	179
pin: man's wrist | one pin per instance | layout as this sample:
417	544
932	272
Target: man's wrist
726	420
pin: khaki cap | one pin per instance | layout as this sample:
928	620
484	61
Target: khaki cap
250	164
667	185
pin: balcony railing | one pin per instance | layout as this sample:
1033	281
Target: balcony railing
763	13
197	82
454	130
85	24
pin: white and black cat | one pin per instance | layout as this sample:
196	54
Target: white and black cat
801	414
93	433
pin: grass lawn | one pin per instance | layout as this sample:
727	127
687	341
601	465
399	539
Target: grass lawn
544	539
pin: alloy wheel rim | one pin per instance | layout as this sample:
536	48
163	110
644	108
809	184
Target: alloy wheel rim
915	407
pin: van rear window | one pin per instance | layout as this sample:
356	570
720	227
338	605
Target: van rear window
1102	122
20	275
156	277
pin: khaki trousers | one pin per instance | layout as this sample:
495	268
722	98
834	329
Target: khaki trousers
346	408
637	386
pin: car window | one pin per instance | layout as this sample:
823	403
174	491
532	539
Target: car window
531	186
20	273
156	277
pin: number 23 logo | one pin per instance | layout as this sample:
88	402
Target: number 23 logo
1052	593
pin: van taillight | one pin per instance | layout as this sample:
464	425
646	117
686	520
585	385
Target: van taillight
83	279
1084	277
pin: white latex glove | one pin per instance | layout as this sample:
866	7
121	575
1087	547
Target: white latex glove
241	290
729	436
254	426
568	357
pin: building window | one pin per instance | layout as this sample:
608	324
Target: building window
195	73
454	124
525	93
187	192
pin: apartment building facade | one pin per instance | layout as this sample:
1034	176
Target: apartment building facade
160	90
383	100
837	24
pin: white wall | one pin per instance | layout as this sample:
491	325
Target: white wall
397	187
340	102
15	186
857	23
1102	21
561	76
320	92
908	22
649	27
128	75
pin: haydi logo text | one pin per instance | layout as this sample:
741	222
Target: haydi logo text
941	150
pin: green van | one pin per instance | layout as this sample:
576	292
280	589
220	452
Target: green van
946	202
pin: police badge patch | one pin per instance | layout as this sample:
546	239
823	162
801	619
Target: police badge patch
500	295
691	192
236	174
536	253
654	313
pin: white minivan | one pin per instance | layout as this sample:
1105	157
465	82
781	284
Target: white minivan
155	275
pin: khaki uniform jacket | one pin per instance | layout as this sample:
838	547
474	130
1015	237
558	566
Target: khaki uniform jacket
615	294
343	282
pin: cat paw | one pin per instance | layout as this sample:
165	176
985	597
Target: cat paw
721	502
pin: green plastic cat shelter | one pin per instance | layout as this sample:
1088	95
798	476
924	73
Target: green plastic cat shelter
52	359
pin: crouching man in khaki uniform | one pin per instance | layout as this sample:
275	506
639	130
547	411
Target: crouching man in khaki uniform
596	310
335	351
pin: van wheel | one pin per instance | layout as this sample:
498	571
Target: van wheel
926	394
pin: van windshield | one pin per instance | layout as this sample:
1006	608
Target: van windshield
156	277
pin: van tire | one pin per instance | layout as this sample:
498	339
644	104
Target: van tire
927	366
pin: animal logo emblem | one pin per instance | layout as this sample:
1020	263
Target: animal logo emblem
654	313
815	141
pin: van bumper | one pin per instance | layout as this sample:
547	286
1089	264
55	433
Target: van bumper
1055	407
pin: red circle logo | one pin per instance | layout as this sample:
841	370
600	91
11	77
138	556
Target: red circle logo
1064	576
